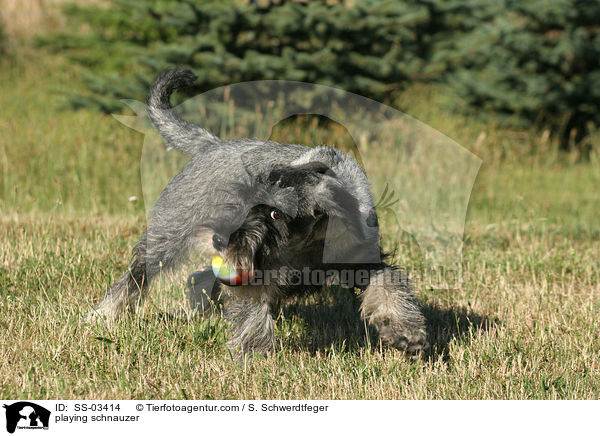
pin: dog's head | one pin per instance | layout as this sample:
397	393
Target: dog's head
284	219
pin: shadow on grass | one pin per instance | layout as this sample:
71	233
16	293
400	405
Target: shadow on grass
454	324
318	323
332	319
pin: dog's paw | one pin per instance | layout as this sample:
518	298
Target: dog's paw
101	313
245	350
94	316
411	341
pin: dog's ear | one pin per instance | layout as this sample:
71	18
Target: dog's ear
321	192
298	177
339	204
315	167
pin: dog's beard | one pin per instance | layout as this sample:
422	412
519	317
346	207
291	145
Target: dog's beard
272	253
253	247
241	261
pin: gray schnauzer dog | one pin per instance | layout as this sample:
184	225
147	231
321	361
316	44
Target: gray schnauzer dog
285	220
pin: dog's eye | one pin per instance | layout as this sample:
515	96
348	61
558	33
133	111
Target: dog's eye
275	215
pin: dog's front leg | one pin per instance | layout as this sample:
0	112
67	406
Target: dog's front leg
252	325
389	305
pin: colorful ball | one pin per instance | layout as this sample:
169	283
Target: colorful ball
226	274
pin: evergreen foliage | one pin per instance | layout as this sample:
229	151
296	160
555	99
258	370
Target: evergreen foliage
372	49
536	61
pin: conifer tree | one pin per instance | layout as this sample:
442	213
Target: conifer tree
373	48
538	60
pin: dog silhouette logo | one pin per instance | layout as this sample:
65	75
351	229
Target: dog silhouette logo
26	415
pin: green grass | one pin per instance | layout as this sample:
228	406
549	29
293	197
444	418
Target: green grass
523	325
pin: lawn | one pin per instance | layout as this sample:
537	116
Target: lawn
523	325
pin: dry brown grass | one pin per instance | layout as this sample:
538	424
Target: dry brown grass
22	19
523	325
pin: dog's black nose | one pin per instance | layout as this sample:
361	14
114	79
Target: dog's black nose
219	242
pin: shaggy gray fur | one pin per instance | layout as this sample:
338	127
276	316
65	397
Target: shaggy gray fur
223	200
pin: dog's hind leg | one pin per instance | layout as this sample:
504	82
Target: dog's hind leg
151	255
389	305
252	325
128	290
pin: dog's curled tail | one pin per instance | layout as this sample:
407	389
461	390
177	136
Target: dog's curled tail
180	134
